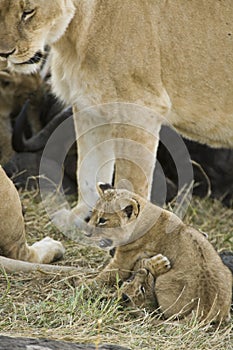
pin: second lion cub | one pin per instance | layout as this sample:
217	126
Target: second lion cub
191	276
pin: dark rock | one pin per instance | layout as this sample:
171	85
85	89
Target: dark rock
227	258
8	343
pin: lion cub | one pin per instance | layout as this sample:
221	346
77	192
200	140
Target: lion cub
181	269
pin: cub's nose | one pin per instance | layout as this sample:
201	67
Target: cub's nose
7	54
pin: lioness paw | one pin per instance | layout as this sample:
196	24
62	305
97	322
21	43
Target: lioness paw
157	265
48	250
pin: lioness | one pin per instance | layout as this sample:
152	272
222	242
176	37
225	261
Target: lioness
172	57
197	280
13	243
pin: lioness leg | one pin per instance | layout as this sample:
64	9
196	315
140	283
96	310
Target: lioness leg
12	231
94	138
137	143
112	141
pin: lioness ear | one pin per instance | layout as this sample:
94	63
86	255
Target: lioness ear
132	209
102	187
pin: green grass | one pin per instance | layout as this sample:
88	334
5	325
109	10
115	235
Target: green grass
65	308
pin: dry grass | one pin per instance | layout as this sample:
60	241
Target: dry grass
51	306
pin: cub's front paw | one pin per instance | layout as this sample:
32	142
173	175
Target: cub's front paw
157	265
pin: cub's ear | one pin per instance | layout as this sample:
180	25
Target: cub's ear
128	211
102	187
132	209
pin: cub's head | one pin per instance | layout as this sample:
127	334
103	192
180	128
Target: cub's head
26	26
114	216
138	291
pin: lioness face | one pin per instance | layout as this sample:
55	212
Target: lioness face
26	26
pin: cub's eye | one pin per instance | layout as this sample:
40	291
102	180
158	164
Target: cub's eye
102	221
28	14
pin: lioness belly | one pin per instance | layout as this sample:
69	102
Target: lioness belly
197	61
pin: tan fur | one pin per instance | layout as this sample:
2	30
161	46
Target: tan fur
139	290
197	282
173	57
15	254
12	233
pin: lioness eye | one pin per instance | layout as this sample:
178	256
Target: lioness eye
28	14
102	221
